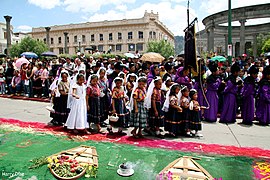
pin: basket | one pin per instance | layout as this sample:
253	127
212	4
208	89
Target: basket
67	178
113	118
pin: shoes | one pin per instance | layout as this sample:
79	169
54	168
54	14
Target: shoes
103	124
121	133
189	134
198	135
109	130
160	136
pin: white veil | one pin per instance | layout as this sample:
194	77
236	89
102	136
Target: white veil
167	100
147	100
70	97
100	69
131	101
54	85
113	84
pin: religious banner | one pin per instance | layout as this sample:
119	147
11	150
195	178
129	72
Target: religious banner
190	48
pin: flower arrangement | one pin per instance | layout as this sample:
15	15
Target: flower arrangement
64	167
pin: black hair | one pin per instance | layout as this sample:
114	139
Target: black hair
94	76
118	80
173	88
64	73
132	75
100	70
80	76
156	79
184	89
192	93
253	70
235	68
142	79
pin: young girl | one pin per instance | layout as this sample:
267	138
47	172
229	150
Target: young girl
131	79
138	113
93	102
77	118
194	107
104	95
153	103
229	110
248	93
184	103
172	110
2	84
118	106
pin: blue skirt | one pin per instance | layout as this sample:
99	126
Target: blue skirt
156	121
122	113
94	114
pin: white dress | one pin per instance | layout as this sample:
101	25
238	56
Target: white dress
77	118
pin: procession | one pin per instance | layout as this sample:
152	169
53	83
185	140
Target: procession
150	106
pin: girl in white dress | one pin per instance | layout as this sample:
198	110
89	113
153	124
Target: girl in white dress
77	119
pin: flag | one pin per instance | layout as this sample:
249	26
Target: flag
190	48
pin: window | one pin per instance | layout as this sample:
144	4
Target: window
75	39
154	35
110	37
37	39
51	40
83	38
100	48
92	37
111	48
129	35
140	34
119	36
101	37
219	50
59	40
131	47
67	39
150	34
61	50
17	42
118	47
5	35
139	47
44	40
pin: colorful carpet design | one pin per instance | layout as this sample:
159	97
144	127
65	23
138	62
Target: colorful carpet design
20	142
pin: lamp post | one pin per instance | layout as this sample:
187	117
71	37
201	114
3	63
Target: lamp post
230	32
166	38
79	40
8	19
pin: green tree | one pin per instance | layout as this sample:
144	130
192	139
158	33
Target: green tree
162	47
266	46
261	40
28	44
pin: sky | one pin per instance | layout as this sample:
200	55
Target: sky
173	13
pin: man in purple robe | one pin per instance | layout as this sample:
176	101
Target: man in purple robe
248	93
229	111
213	82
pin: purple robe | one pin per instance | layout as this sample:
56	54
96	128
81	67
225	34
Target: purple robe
213	84
199	89
263	108
229	110
248	92
151	75
182	80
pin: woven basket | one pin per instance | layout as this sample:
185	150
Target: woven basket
113	118
68	178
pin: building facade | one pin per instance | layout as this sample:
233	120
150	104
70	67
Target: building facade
118	37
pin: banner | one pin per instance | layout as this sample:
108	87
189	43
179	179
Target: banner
190	48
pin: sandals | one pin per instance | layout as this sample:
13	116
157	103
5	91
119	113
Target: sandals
109	130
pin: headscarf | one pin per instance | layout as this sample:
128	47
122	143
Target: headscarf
100	69
70	97
167	100
151	75
57	80
179	73
147	101
131	101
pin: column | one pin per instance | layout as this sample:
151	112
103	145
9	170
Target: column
8	19
226	44
242	36
48	35
210	39
66	48
255	46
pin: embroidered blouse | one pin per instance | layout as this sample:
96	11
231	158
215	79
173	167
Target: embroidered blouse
63	86
184	102
173	101
139	94
118	93
156	95
93	91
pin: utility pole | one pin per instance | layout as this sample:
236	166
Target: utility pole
230	48
188	13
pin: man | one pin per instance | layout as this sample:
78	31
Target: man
79	66
69	66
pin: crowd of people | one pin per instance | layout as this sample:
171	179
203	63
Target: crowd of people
143	95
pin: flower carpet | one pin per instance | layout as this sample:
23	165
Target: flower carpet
21	142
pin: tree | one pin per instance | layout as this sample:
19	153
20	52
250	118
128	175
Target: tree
261	40
266	46
162	47
28	44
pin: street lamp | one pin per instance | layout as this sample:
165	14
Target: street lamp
131	47
79	40
166	38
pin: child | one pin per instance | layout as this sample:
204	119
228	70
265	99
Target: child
138	113
194	107
172	111
184	103
93	102
229	111
248	93
131	79
153	103
77	118
15	85
2	84
263	106
104	95
118	106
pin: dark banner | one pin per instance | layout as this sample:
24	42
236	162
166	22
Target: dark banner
190	48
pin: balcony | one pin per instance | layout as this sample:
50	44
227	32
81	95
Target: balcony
140	40
92	42
129	40
119	40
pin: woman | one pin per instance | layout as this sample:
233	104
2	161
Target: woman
182	77
37	82
30	75
154	72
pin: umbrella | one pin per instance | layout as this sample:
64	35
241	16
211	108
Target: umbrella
267	54
29	55
218	58
49	53
3	55
129	55
21	61
152	57
89	49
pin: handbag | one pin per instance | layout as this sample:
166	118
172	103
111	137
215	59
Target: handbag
113	117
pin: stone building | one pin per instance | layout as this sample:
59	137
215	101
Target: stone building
117	36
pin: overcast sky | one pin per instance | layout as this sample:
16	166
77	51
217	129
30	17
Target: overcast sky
35	13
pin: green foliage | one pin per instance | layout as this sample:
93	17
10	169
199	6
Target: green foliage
162	47
261	40
266	46
28	44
